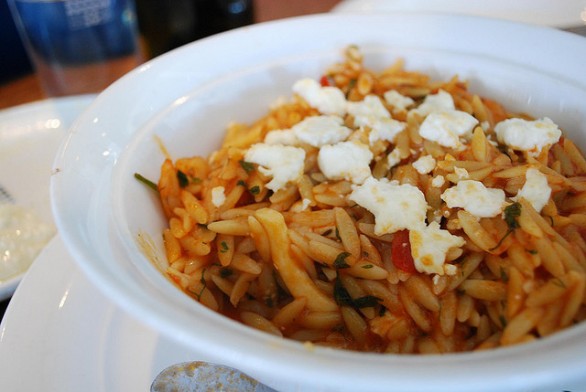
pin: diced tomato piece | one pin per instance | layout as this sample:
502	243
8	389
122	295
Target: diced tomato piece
401	252
325	81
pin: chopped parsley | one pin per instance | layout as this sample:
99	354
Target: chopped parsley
558	282
203	287
368	301
146	181
226	272
241	183
183	179
224	247
504	276
247	166
341	295
512	213
343	298
255	190
340	261
367	266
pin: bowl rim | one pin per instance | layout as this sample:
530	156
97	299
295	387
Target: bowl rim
406	368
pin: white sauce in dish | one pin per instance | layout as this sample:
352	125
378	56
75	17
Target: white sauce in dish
22	236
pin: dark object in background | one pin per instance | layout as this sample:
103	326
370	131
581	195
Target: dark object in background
165	25
14	61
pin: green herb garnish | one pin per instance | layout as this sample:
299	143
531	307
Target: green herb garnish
367	266
182	178
340	261
224	247
225	272
343	298
241	183
504	276
255	190
247	166
512	212
368	301
558	282
327	232
204	285
146	181
341	295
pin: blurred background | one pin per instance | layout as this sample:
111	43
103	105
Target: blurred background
163	25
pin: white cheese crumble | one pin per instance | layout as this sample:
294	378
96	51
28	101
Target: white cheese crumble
530	136
424	164
394	206
321	130
372	113
218	196
442	101
429	246
394	157
536	190
345	161
314	130
284	164
475	198
286	137
438	181
398	101
328	99
461	173
447	127
22	236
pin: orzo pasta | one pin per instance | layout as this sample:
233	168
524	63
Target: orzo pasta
385	212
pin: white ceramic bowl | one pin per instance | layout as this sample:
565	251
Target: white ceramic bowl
187	97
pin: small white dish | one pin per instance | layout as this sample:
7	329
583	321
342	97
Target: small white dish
559	14
61	334
30	135
186	98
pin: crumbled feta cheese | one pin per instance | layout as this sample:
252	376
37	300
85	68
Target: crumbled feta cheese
398	101
394	157
286	137
536	190
394	206
438	181
475	198
440	102
218	196
328	100
370	107
372	113
461	173
345	161
424	164
283	163
531	136
385	129
446	127
321	130
429	246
